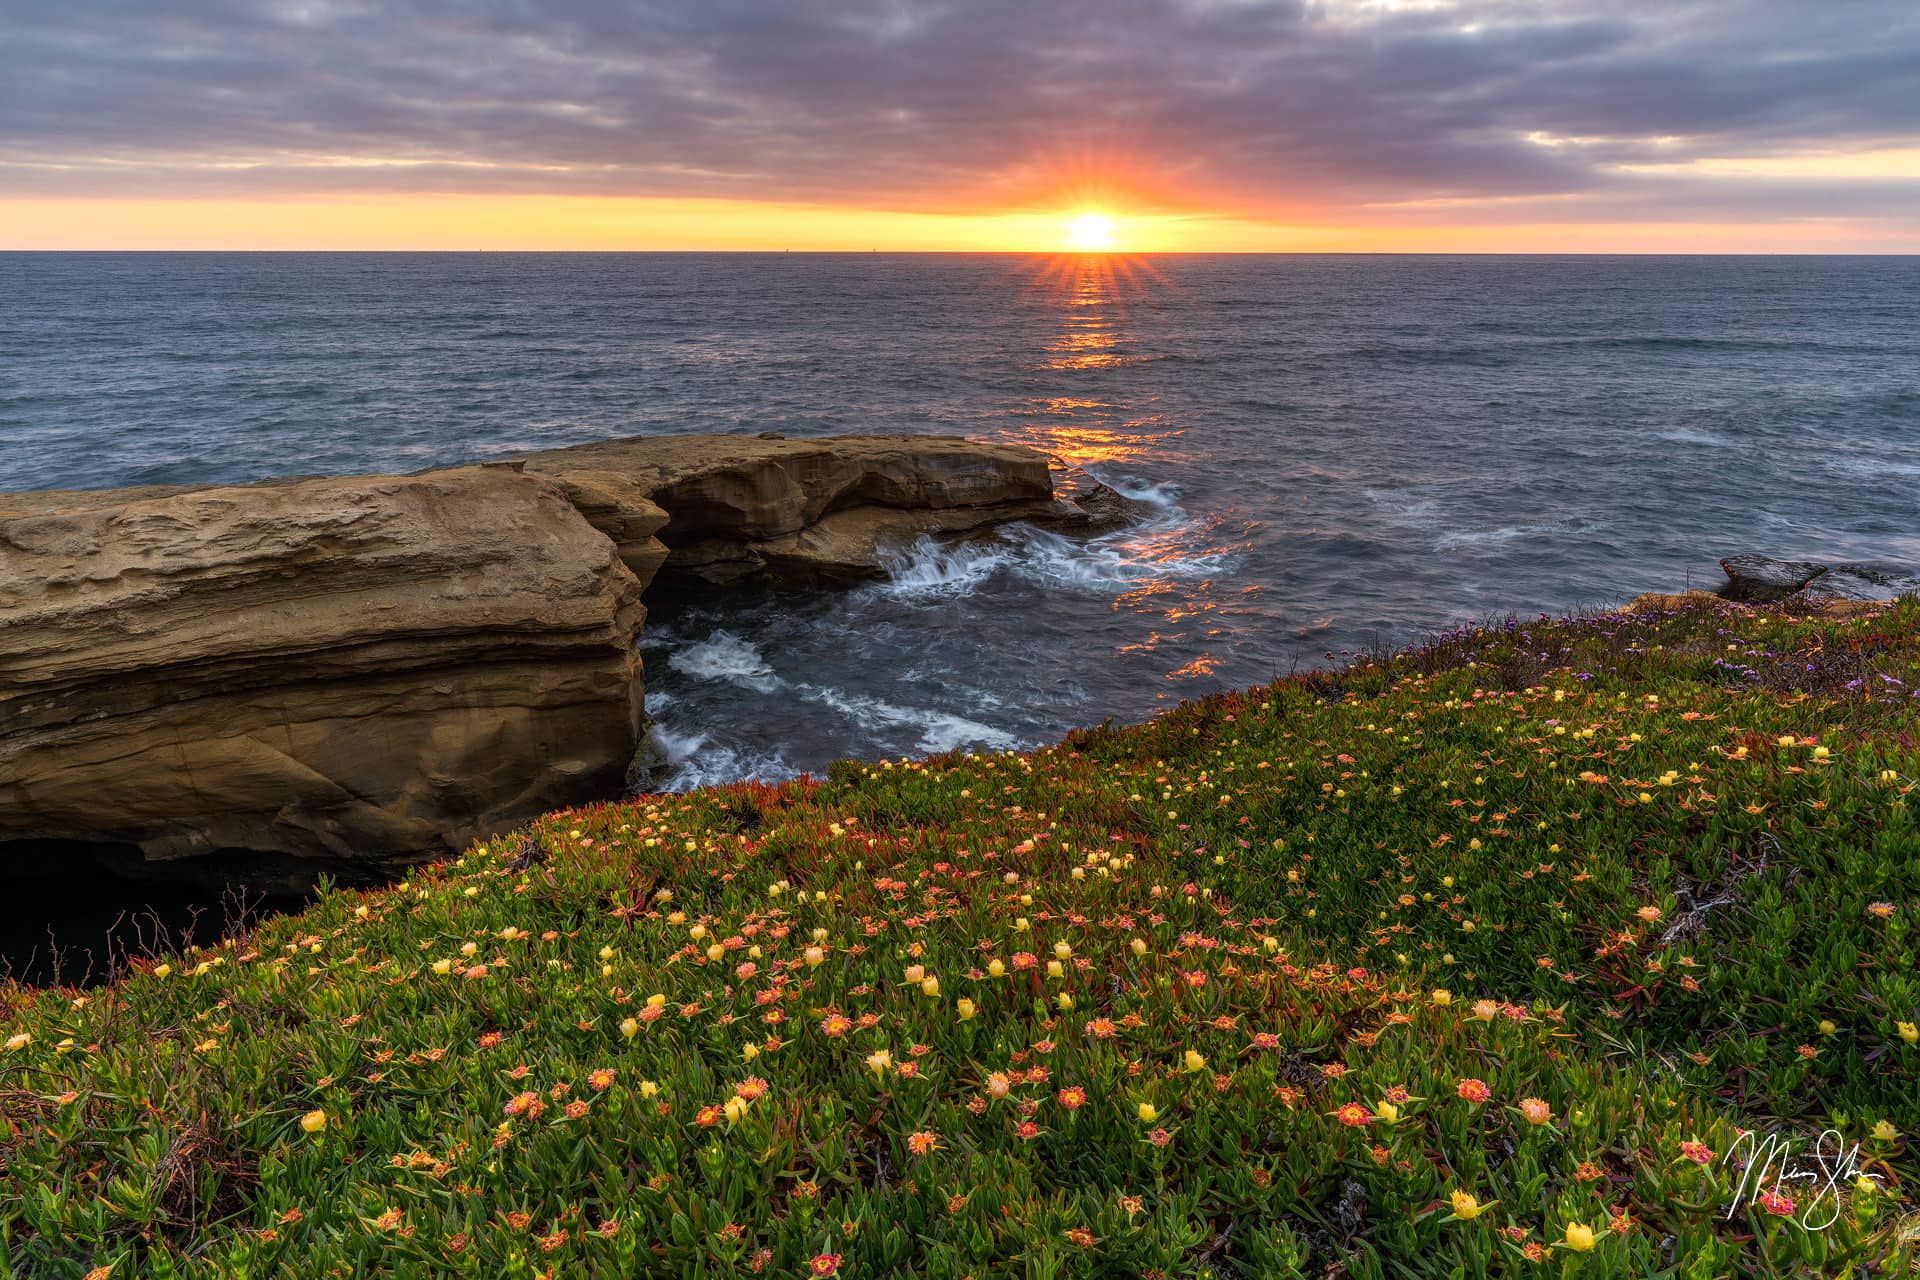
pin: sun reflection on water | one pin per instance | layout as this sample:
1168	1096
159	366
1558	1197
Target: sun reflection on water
1095	419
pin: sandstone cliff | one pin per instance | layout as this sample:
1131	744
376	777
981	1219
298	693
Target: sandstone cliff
389	666
793	512
331	667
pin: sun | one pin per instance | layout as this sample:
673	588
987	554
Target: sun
1090	233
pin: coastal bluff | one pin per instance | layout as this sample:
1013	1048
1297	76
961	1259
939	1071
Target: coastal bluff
385	668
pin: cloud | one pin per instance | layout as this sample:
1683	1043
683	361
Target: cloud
1290	109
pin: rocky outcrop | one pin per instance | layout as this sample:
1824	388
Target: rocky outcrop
333	668
797	512
1757	579
392	666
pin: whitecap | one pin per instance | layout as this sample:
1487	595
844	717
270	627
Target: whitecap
925	570
694	760
1871	468
725	656
1472	539
939	730
1687	435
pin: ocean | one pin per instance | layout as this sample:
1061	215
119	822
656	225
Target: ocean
1334	453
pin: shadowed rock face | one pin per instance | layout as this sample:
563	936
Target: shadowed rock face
390	667
795	512
328	668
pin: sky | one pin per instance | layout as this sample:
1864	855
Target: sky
1188	125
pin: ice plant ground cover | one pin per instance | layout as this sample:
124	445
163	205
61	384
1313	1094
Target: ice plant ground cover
1473	959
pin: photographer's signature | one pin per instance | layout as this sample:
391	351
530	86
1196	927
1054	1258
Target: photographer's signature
1783	1180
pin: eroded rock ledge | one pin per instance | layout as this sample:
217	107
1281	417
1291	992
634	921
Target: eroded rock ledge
386	667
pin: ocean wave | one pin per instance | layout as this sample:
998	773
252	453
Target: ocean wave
1871	468
924	569
726	656
938	730
1476	539
1168	543
1687	435
695	760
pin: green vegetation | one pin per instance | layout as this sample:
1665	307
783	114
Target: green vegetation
1464	961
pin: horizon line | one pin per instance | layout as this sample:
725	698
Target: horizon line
1032	253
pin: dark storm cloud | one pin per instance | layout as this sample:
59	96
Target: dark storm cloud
1274	109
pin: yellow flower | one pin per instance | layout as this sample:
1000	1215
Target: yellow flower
313	1121
1148	1113
1020	924
1387	1111
815	957
648	1088
468	948
749	1051
656	1000
19	1041
878	1061
1579	1238
1885	1131
995	968
1139	946
1908	1032
1826	1027
1442	997
965	1008
162	970
1465	1206
1785	740
1064	1000
629	1027
1055	969
930	987
716	951
736	1109
1194	1061
443	966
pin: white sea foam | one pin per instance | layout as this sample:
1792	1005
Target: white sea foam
725	656
1476	539
694	760
925	570
1687	435
1168	543
1871	468
939	730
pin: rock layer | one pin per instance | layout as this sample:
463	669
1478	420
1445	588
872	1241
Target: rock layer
336	668
389	667
798	512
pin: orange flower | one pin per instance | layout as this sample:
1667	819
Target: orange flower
1473	1090
1353	1115
824	1264
921	1143
1072	1098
